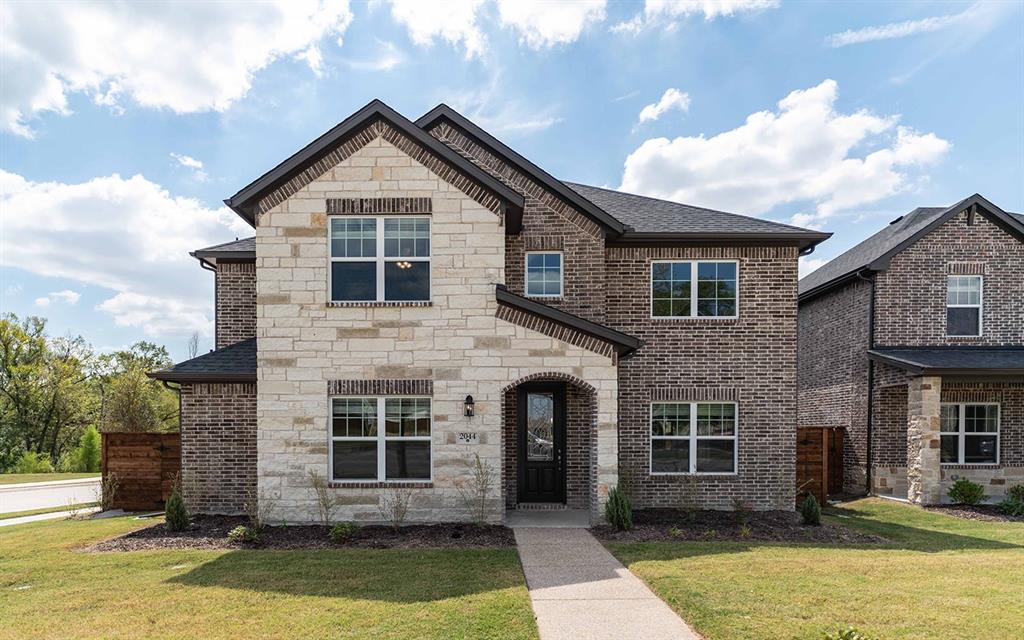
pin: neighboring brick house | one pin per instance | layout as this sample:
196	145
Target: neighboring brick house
418	293
913	343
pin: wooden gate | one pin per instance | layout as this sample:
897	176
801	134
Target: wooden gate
144	465
819	462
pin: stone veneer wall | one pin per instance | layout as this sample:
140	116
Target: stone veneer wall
832	343
751	359
236	302
218	445
456	341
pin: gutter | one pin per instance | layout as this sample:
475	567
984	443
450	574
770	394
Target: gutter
869	424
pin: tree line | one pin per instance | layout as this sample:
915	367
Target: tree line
57	393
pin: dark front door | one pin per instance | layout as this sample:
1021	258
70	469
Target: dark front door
541	413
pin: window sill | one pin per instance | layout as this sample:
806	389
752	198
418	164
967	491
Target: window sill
382	303
668	475
726	319
956	466
392	484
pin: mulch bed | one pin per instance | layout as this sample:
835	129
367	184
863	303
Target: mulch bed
981	512
670	525
211	532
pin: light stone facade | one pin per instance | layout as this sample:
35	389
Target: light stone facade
456	341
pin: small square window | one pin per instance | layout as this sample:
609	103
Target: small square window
544	274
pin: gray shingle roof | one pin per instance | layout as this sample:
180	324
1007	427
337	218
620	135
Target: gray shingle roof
235	363
238	245
651	215
960	360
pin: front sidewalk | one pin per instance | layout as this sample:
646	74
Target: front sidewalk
579	590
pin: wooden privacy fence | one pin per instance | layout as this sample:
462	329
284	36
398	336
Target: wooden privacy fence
144	465
819	462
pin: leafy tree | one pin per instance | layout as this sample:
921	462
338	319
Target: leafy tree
88	456
130	400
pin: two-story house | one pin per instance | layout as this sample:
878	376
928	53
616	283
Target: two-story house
912	342
418	293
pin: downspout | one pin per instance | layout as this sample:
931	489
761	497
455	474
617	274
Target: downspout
871	377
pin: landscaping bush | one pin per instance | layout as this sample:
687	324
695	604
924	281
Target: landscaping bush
618	511
325	501
810	511
394	505
966	492
32	462
175	512
343	531
242	533
1016	492
1011	507
476	492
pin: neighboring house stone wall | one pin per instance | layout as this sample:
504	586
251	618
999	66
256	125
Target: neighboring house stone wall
457	342
236	302
832	344
751	359
218	446
910	299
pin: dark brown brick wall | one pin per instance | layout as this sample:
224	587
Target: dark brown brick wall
889	417
236	302
753	357
218	445
911	296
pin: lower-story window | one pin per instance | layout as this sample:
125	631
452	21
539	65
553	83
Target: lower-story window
693	437
379	439
969	433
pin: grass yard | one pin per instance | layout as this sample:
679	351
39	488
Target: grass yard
49	591
941	577
20	478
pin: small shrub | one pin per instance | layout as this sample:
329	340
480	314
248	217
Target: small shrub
86	458
1016	492
675	532
325	500
476	491
242	534
257	505
343	531
618	511
109	485
394	506
745	531
966	492
1011	507
741	511
849	633
711	534
32	462
175	513
810	511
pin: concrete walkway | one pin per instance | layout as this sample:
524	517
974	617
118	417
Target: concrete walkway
580	591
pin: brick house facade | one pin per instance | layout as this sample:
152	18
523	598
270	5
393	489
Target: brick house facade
875	349
554	385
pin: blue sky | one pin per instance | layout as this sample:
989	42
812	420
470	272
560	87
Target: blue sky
123	127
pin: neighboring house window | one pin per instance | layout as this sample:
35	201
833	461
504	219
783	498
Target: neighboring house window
544	273
673	294
969	433
378	439
381	258
963	306
693	437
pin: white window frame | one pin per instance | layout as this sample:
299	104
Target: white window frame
693	438
962	433
380	259
561	274
980	306
381	439
693	290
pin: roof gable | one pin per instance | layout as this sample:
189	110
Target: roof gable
315	158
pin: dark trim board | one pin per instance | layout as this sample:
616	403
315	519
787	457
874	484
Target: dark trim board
953	361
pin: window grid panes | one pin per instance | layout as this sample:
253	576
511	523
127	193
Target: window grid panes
969	433
383	258
693	437
963	305
544	274
673	294
380	439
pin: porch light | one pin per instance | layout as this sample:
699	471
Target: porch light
469	406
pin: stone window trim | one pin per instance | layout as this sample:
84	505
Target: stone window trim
381	439
388	484
693	438
961	435
980	306
381	387
965	268
694	265
380	259
339	304
379	206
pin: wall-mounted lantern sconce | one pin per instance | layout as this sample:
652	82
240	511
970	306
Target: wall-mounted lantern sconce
470	406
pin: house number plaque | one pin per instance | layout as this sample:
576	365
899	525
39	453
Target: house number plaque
466	437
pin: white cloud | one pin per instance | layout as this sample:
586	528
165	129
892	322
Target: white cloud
66	296
808	265
667	12
671	99
542	24
892	30
186	57
499	114
453	21
387	57
127	235
191	163
804	152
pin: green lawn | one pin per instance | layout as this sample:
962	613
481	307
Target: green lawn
19	478
940	577
49	591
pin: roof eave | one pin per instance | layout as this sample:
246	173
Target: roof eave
172	376
802	240
920	369
833	284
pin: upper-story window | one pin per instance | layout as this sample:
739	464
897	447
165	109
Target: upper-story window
963	306
380	258
969	433
544	273
673	294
